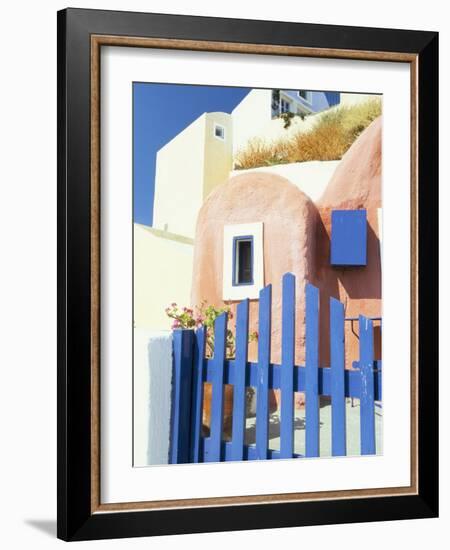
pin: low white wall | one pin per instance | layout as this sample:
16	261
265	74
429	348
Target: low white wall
152	387
310	177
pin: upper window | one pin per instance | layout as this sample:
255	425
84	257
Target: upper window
285	106
243	260
219	131
305	95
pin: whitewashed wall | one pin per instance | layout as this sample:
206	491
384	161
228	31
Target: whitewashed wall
152	386
179	180
187	169
355	99
251	116
162	274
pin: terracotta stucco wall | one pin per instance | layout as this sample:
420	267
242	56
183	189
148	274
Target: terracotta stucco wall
297	239
289	219
355	184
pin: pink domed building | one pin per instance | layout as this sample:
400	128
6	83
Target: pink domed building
257	226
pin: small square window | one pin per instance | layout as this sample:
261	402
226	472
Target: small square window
219	132
243	260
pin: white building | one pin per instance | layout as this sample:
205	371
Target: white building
187	170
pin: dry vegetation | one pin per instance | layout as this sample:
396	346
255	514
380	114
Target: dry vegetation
329	139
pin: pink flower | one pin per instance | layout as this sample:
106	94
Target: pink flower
173	304
176	324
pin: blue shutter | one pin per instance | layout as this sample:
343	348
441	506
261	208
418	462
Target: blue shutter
349	237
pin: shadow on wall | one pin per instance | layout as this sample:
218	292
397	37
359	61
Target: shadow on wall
358	288
364	283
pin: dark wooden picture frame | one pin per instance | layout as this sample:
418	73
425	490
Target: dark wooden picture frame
81	34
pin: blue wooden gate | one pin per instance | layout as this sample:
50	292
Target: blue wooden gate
192	369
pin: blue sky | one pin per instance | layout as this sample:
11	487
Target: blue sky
160	111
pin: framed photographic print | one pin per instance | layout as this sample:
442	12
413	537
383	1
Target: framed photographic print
247	274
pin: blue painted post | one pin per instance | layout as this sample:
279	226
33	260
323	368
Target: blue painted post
338	430
197	394
215	441
183	341
240	367
312	371
367	405
287	367
262	391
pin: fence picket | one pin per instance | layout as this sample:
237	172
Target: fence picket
197	393
287	367
262	387
192	369
183	341
239	394
367	405
337	353
312	371
212	452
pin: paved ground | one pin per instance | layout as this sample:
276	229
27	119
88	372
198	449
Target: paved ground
353	427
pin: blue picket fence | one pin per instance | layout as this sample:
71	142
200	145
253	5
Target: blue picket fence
192	369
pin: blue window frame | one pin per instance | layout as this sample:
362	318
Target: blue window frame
243	259
349	237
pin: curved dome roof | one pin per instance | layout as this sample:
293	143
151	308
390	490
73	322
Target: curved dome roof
356	182
253	196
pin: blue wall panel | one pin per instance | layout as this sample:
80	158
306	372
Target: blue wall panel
349	237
